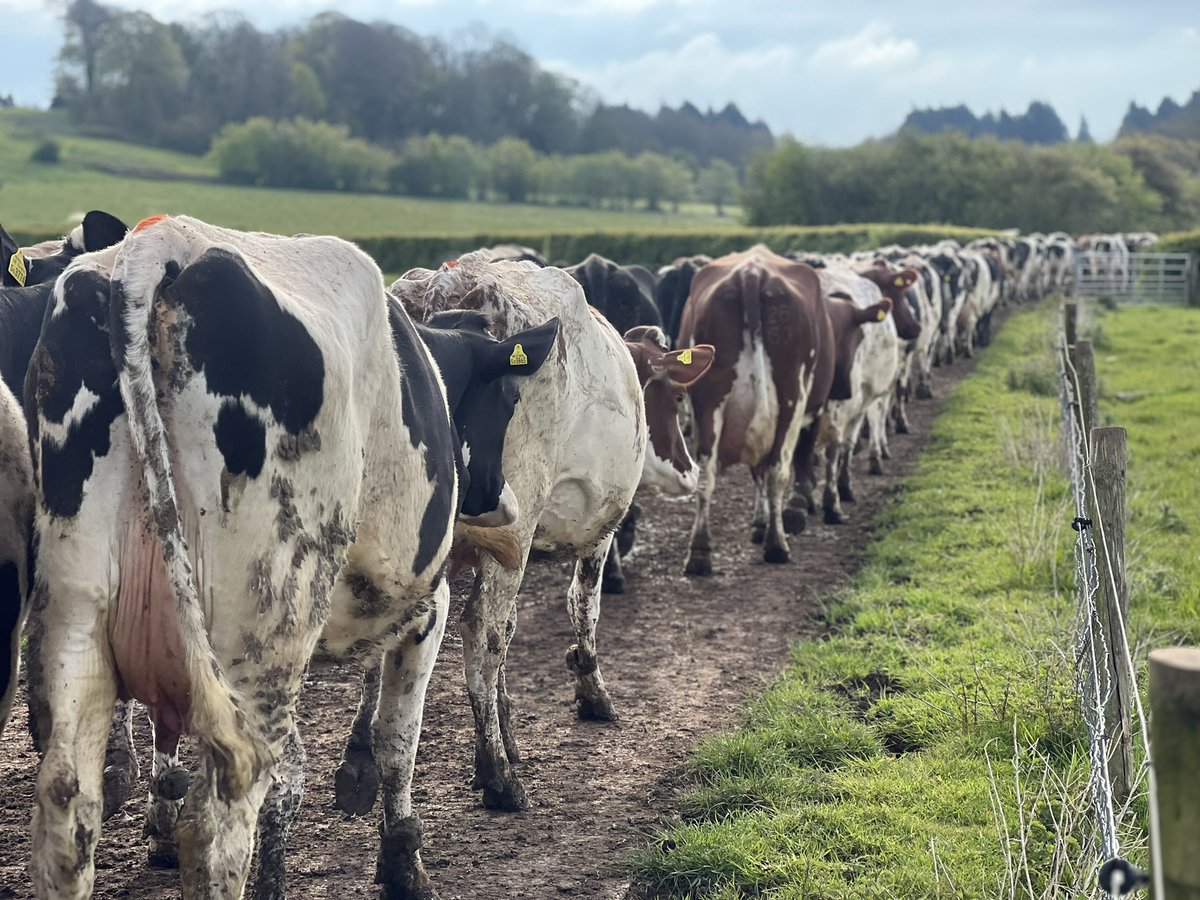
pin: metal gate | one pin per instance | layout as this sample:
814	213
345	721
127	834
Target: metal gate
1133	278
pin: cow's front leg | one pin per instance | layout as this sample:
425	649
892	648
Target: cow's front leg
835	462
583	604
613	581
699	561
169	784
356	782
121	770
276	817
758	522
484	627
404	678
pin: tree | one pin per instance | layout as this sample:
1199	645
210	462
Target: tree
84	21
1084	135
718	184
140	76
511	163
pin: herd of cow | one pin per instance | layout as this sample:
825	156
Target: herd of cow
230	457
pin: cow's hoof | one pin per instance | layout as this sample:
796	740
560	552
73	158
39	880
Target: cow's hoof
875	467
595	709
924	391
795	520
834	516
757	533
173	783
356	783
163	854
777	555
612	584
509	799
698	565
119	785
902	426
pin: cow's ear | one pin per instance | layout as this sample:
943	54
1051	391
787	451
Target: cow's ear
13	268
875	313
522	353
101	230
687	366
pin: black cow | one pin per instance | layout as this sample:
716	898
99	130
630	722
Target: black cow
671	292
624	295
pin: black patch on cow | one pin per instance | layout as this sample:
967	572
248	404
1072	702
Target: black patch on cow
617	292
241	438
21	314
423	412
246	344
73	353
10	615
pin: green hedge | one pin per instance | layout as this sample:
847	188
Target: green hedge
1184	242
396	253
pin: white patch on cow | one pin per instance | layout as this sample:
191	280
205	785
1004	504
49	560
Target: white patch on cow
752	404
466	454
660	474
58	432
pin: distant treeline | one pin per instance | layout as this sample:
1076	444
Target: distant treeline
1139	182
129	76
1040	124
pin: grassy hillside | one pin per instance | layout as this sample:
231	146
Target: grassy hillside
932	746
133	182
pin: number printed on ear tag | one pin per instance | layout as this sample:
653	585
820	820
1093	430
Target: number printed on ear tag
16	268
518	357
686	357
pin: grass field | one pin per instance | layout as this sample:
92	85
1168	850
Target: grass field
932	746
38	197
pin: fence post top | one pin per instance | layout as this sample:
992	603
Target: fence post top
1182	658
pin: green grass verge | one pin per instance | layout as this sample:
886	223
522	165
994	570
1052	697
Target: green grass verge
932	747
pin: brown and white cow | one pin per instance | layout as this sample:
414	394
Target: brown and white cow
768	321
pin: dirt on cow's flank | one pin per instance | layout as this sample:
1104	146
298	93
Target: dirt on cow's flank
682	658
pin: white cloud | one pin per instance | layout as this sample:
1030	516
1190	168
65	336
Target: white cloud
874	47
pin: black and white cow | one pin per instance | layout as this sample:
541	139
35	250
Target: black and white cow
674	283
574	459
28	276
238	455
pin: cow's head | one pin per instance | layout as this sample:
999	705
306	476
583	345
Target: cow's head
847	320
895	285
664	375
46	261
481	378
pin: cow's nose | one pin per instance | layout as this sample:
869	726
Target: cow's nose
505	513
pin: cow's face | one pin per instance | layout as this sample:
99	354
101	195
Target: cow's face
664	376
482	378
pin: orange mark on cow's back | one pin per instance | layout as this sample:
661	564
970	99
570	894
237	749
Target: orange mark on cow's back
148	221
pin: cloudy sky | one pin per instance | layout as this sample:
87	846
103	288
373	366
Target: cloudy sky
827	73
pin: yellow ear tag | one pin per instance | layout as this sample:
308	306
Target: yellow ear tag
899	282
686	357
16	268
881	315
946	278
518	357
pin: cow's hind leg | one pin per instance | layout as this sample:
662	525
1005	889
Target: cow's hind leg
216	836
699	560
356	782
758	523
72	689
583	604
503	700
613	580
835	462
404	678
484	626
121	770
778	483
275	820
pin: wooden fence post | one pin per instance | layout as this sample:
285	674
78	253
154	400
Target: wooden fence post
1110	457
1070	313
1174	737
1084	362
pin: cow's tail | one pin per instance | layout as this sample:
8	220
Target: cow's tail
238	755
751	289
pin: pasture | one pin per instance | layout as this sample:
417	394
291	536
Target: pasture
134	182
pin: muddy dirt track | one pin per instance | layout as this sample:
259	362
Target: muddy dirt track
681	658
